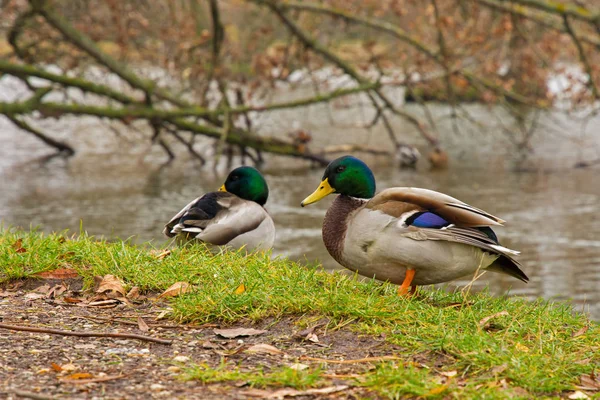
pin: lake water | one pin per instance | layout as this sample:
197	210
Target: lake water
118	190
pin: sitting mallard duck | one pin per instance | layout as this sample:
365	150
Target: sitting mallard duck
407	236
234	216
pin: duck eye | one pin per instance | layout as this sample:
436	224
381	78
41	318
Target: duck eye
235	178
340	168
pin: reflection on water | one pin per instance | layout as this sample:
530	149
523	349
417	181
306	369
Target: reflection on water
552	216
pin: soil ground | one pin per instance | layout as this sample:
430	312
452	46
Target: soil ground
42	365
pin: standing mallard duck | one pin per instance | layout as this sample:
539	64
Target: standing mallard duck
234	216
407	236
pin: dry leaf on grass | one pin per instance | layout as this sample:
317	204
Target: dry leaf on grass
56	367
176	289
483	322
142	325
237	332
160	254
590	382
240	289
111	287
282	393
449	374
263	348
18	246
60	273
522	347
580	332
134	293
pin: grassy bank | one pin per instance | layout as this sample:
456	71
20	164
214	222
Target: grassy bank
449	344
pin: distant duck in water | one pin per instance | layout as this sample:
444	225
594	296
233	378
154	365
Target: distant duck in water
234	216
408	236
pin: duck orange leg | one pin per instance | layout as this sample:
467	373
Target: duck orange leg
408	278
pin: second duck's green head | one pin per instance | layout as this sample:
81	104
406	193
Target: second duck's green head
345	175
247	183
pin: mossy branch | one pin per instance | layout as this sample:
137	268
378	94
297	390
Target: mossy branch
21	70
524	12
559	8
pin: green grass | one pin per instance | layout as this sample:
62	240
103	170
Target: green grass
530	350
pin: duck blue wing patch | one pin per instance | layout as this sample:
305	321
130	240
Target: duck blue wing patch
427	219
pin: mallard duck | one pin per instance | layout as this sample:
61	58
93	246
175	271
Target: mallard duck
234	216
407	236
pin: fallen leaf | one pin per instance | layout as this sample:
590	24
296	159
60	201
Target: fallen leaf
8	294
134	293
590	382
176	289
578	395
72	300
79	375
240	289
34	296
437	390
580	332
298	366
499	369
210	345
56	291
522	347
312	337
163	314
160	254
483	322
142	325
56	367
237	332
111	287
449	374
68	367
60	273
263	348
18	246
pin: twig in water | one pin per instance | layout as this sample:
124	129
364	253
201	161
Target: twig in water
85	334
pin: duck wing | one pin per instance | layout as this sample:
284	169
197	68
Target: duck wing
400	200
216	218
422	214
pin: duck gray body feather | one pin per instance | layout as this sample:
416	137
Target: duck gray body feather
223	219
375	238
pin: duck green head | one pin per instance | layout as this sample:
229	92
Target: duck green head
346	175
247	183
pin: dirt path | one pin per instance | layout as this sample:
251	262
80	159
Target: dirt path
48	366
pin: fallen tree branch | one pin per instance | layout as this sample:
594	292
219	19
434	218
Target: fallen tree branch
582	57
31	395
85	334
61	147
523	12
66	81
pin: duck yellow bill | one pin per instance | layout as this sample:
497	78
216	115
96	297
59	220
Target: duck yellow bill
222	188
323	190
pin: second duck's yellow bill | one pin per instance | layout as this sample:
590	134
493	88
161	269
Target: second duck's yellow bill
323	190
